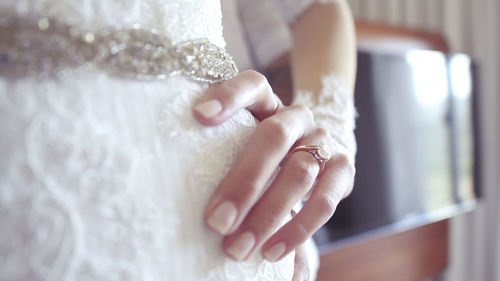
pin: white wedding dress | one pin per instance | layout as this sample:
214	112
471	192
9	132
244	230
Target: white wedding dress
105	177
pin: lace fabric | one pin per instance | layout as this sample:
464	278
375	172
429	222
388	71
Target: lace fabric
110	184
333	109
180	20
106	178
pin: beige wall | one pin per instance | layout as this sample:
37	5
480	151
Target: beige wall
472	27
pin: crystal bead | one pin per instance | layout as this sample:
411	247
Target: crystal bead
89	37
43	24
42	46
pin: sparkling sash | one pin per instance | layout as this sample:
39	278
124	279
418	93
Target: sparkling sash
45	47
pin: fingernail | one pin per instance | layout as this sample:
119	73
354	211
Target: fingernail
240	248
223	217
209	108
273	253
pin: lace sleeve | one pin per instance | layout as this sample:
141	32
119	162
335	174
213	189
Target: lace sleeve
292	9
333	110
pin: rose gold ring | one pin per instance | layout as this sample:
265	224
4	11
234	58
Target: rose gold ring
321	153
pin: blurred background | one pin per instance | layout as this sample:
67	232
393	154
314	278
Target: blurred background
451	27
426	202
472	28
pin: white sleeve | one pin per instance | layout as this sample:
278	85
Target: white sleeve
266	26
292	9
266	31
333	109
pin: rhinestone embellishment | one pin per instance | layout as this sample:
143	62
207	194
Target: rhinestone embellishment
45	47
324	151
321	153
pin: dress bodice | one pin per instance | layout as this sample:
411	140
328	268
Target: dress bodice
103	177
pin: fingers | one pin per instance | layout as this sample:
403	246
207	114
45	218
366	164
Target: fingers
242	208
294	181
249	89
327	193
243	184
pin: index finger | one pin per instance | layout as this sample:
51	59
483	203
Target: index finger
249	89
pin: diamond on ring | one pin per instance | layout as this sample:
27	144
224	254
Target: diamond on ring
324	151
321	153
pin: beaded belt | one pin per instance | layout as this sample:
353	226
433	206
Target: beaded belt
42	46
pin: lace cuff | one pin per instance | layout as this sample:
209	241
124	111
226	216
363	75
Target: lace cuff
292	9
333	110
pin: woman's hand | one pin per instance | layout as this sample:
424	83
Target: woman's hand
242	209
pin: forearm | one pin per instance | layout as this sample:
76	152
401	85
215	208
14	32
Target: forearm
323	60
323	43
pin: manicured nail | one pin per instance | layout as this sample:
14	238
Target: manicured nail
223	217
273	253
240	247
209	108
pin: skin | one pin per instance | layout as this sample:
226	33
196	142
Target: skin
329	49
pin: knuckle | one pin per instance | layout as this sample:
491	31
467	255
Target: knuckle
248	183
226	91
257	76
322	133
259	79
304	110
299	107
301	232
326	205
324	136
275	129
305	172
342	160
